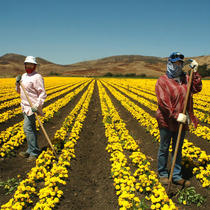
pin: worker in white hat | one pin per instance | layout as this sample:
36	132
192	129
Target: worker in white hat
34	85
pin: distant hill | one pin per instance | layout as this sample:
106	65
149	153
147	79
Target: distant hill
15	58
12	64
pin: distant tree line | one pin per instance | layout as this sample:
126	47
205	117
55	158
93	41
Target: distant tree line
52	73
109	74
203	70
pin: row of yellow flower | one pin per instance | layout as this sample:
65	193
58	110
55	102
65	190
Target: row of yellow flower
28	187
148	85
10	95
200	131
16	101
123	180
12	113
8	92
47	199
14	135
10	103
202	107
9	114
49	171
143	179
189	152
4	135
7	86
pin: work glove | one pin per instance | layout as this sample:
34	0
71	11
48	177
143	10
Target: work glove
18	78
182	118
34	109
194	65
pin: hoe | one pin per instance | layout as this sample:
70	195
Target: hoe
40	123
180	131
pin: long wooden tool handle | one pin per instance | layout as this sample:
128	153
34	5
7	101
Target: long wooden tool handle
39	121
180	132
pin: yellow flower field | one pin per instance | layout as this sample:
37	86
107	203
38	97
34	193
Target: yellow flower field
106	138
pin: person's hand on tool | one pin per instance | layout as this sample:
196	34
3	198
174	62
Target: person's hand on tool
182	118
34	109
18	78
194	65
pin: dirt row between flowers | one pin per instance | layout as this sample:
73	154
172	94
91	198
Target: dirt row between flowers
15	106
199	142
150	149
19	117
12	166
89	185
154	94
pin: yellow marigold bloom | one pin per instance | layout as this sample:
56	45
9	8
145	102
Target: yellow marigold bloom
136	199
184	202
157	205
152	206
148	188
166	207
117	187
2	154
56	200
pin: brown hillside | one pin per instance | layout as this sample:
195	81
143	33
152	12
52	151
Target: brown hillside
12	64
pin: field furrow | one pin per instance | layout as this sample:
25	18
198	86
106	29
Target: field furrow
191	153
106	137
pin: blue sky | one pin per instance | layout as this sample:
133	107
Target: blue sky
70	31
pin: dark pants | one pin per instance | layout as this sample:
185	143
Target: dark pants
165	139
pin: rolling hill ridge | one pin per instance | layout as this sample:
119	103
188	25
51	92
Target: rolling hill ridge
12	64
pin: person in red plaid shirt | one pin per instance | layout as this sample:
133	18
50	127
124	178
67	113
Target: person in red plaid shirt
171	90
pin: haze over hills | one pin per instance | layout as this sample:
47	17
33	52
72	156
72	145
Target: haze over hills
12	65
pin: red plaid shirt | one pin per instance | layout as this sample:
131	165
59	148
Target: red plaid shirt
171	95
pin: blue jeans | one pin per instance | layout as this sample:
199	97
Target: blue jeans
30	131
165	139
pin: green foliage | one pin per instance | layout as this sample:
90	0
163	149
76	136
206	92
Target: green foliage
142	75
52	73
130	75
143	204
203	70
10	185
189	196
109	74
108	120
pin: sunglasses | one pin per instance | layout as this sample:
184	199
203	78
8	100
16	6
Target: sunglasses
178	55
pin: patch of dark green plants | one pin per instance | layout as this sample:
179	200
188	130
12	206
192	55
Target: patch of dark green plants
189	196
10	185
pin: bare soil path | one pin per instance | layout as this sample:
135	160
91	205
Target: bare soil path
150	149
90	186
12	166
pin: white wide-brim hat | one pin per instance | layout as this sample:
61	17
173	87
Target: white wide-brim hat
30	59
